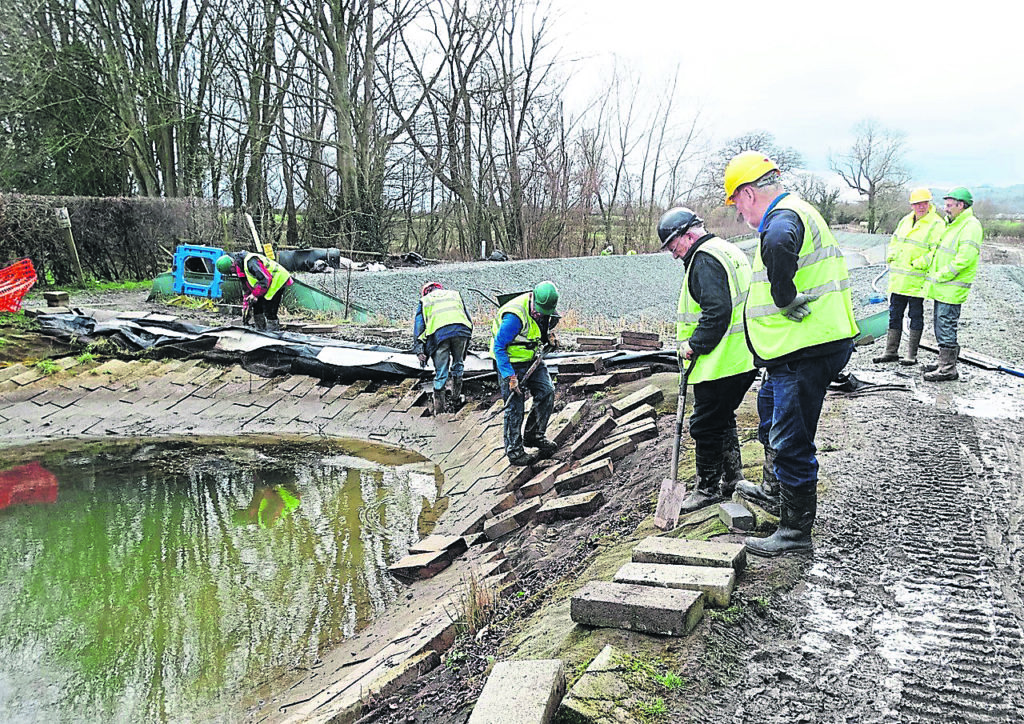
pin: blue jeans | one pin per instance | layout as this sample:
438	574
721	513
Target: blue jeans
947	318
540	386
451	351
789	403
898	303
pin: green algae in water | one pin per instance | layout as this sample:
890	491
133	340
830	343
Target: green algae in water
164	582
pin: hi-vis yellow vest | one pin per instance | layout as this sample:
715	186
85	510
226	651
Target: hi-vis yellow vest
821	271
440	308
278	274
955	263
910	252
731	356
524	347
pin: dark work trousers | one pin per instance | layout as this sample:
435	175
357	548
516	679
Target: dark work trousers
268	307
789	403
714	418
900	303
543	391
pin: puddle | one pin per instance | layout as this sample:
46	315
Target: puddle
165	581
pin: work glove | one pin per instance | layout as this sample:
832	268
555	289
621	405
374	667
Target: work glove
686	351
553	341
422	358
796	310
513	386
247	301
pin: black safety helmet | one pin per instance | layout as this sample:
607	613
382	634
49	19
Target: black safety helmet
676	222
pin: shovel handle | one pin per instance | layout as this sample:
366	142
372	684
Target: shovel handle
680	414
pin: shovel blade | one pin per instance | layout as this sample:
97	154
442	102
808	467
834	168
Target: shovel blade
670	500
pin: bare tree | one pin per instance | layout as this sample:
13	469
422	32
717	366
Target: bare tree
873	166
813	189
786	158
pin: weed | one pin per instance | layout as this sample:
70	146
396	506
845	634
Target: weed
473	606
727	616
670	680
85	357
187	302
598	395
651	710
47	366
454	659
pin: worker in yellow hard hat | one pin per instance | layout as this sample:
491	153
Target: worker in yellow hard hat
909	255
799	326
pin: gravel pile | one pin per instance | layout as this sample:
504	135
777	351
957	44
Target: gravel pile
640	287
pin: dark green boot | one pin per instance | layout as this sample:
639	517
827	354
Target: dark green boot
799	508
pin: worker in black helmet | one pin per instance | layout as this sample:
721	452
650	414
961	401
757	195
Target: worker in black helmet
709	334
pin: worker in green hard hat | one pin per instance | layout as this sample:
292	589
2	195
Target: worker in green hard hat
263	283
522	326
953	269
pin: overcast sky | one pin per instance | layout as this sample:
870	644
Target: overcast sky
950	76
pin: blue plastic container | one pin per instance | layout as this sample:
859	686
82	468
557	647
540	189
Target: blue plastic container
191	288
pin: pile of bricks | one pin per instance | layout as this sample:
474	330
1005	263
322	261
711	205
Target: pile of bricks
639	341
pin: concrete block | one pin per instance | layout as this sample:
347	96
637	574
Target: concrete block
736	516
630	374
592	437
582	365
420	565
583	476
571	506
595	343
680	551
57	299
629	335
565	421
506	502
665	611
649	395
455	545
592	384
608	691
647	430
716	583
497	527
613	450
543	481
521	692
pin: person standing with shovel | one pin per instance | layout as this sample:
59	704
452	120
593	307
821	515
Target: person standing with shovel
709	334
521	327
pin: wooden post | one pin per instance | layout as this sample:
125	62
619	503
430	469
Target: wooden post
64	222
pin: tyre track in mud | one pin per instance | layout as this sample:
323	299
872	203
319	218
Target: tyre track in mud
910	609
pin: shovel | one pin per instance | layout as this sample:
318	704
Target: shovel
670	499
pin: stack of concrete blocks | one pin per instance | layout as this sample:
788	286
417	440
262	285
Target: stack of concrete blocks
665	587
595	344
639	341
429	557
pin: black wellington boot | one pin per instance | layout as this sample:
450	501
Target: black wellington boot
708	490
765	494
799	508
732	464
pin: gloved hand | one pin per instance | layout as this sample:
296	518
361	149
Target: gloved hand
247	301
796	310
553	341
513	386
422	358
685	351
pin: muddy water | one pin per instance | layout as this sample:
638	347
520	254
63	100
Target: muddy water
160	582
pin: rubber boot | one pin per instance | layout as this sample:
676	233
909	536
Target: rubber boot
946	370
799	508
765	494
260	321
273	325
707	492
439	401
913	343
892	347
547	447
732	464
456	396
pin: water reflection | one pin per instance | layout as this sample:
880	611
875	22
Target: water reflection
27	484
168	580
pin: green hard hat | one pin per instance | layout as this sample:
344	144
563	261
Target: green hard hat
545	297
225	264
960	193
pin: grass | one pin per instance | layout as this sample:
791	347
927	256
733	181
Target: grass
652	710
99	286
47	366
86	357
473	606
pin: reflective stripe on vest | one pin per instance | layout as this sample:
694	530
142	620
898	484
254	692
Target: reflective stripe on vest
910	250
955	264
441	308
278	274
524	347
731	355
821	272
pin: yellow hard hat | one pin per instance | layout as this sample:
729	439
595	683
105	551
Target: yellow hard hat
745	168
919	195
